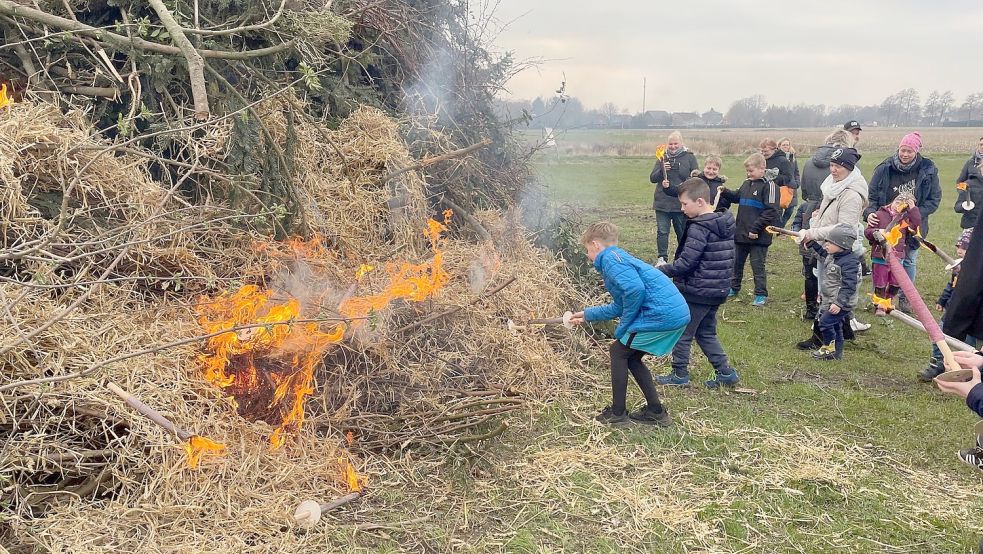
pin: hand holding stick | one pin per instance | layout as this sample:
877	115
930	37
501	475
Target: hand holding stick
565	320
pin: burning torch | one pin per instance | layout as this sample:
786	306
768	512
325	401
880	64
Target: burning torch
950	262
967	204
921	310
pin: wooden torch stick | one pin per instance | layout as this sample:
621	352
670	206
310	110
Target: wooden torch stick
953	342
148	412
949	260
783	231
716	199
309	511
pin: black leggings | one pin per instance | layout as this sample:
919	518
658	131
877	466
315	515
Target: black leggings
623	360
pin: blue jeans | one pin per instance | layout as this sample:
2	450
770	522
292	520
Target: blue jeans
831	329
937	354
910	259
664	220
788	213
702	327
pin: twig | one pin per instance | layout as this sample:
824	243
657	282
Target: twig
148	412
454	310
196	65
242	29
92	369
472	222
437	159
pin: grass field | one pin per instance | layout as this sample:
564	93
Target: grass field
829	456
852	457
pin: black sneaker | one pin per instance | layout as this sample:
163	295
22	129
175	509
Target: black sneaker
812	343
608	417
972	457
934	369
645	416
809	315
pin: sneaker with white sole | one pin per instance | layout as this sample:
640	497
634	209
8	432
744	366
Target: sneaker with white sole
972	457
858	325
759	300
661	261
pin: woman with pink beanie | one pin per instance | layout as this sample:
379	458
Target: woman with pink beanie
907	171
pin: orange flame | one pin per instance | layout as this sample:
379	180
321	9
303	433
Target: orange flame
893	237
198	446
882	303
4	99
962	186
660	151
351	477
268	367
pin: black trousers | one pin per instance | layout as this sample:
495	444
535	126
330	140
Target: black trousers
758	255
811	284
624	360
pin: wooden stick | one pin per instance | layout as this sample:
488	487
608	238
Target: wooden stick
912	322
309	511
783	231
148	412
437	159
716	199
949	260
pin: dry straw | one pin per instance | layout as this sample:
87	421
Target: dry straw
83	473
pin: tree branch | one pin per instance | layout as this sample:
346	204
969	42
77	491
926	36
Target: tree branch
120	42
196	65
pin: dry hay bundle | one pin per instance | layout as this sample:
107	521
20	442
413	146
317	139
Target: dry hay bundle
83	472
340	175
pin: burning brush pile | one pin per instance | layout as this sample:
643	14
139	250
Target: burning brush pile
173	379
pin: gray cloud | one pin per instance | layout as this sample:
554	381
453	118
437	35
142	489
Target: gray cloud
703	53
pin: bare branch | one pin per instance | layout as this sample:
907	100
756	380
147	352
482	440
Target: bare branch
196	65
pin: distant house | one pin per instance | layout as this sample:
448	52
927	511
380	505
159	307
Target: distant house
712	118
654	118
685	119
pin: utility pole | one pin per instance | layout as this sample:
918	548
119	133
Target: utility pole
644	83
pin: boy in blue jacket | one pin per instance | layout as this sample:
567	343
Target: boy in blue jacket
702	270
653	316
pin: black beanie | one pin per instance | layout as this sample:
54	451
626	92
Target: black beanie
846	157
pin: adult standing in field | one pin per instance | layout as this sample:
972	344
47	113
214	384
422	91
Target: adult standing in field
853	127
815	170
844	199
776	159
676	166
969	202
906	171
785	145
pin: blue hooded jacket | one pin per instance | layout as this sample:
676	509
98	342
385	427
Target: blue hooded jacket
704	263
643	297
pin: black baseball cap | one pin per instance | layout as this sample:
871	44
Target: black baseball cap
851	125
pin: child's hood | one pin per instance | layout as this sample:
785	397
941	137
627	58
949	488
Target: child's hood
701	175
721	224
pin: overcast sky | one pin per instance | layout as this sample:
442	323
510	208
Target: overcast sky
699	54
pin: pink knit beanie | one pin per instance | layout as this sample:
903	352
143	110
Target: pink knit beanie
912	140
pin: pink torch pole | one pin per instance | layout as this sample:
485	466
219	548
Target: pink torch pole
918	306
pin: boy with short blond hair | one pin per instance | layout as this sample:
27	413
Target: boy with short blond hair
758	208
712	177
702	270
653	315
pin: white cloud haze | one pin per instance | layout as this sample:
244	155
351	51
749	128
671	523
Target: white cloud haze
701	54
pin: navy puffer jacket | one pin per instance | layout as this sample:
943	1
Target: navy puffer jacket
704	262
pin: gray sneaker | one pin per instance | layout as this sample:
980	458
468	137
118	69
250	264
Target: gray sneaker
645	416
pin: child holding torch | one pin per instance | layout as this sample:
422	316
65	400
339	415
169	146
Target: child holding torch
653	315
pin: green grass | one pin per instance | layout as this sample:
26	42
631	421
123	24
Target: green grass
853	456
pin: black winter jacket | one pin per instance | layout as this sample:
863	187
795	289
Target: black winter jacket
964	312
926	189
681	166
714	184
814	172
758	209
974	192
786	171
704	262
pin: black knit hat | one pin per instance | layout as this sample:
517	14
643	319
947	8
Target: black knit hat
846	157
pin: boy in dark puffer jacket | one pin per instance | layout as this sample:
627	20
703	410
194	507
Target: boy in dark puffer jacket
702	270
